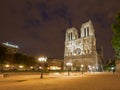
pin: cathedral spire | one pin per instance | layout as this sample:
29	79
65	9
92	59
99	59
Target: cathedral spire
71	34
87	29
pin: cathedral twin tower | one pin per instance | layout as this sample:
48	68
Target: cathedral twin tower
81	49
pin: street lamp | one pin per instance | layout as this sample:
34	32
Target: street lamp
21	66
89	68
42	60
7	67
69	64
82	68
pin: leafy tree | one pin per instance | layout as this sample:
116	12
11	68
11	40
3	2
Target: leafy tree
116	36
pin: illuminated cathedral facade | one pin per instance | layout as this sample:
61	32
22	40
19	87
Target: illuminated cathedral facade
80	49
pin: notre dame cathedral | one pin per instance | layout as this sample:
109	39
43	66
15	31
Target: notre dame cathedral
80	49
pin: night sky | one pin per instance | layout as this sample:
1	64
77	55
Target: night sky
39	26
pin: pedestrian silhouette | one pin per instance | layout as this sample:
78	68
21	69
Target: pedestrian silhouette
113	71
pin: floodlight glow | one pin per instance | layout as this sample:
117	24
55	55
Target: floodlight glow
89	66
112	68
69	64
31	67
40	67
7	65
55	68
42	59
82	65
21	66
93	67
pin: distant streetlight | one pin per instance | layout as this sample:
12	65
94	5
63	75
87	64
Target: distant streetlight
69	65
113	69
7	65
93	68
21	66
89	68
31	67
42	60
82	66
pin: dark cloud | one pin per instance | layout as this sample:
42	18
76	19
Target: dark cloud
32	23
44	14
39	26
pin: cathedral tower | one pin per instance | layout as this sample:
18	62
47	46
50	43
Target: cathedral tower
88	38
80	51
87	29
71	34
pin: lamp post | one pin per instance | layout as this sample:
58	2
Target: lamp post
42	60
7	66
69	64
89	68
82	68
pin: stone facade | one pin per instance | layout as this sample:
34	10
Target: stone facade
80	49
55	64
10	48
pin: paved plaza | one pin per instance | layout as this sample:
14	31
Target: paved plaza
76	81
